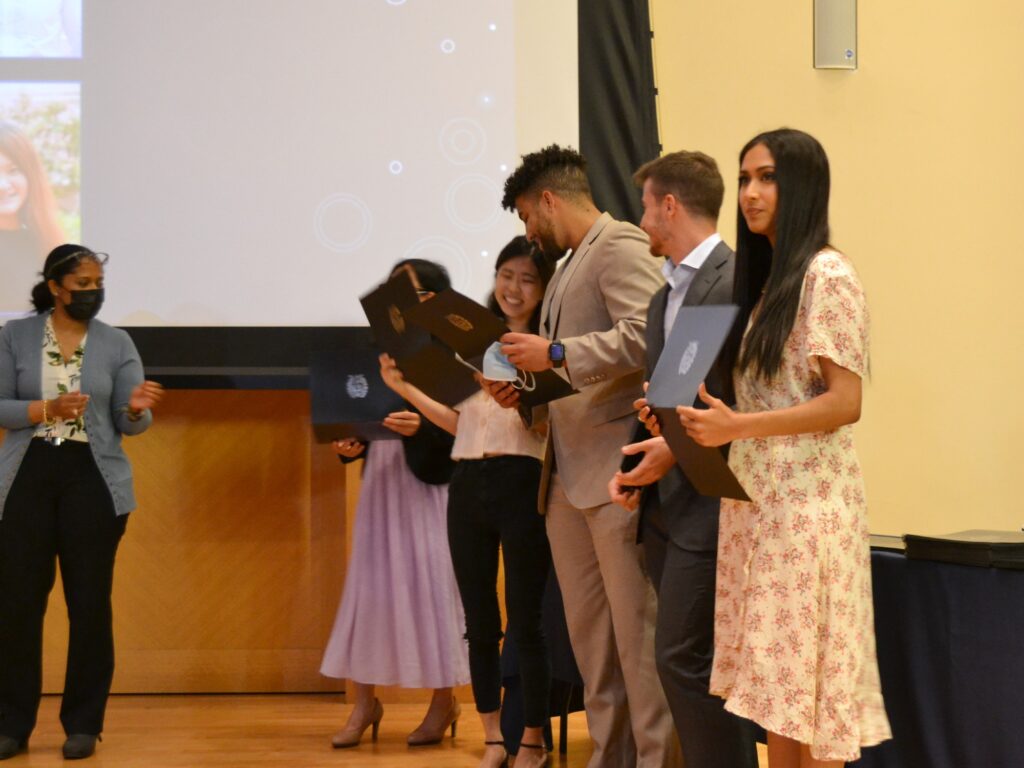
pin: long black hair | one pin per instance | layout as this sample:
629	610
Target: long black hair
775	275
61	261
516	247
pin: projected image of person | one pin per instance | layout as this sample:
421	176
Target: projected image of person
70	387
492	503
794	629
400	621
29	228
40	29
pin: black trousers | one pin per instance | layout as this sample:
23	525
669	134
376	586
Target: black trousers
58	509
710	736
493	501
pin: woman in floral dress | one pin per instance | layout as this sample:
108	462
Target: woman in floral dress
794	626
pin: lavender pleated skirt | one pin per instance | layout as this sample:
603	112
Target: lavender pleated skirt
400	621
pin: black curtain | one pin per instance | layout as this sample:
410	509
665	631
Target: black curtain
618	117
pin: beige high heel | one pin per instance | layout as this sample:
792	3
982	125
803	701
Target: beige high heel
425	735
504	760
546	760
352	735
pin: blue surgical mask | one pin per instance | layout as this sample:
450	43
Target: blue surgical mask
497	367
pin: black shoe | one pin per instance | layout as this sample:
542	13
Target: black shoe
79	746
10	747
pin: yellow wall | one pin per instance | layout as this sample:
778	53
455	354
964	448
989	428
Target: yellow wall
928	200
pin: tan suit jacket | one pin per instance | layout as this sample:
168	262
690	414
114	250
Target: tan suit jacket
596	305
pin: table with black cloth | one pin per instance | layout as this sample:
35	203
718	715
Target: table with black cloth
950	638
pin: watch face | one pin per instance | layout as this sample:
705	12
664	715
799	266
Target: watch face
556	352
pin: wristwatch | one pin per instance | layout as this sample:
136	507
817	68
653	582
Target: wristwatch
556	353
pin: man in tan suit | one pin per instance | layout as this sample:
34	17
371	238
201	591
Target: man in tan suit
592	331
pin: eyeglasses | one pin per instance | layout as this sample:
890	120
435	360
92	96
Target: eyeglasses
99	257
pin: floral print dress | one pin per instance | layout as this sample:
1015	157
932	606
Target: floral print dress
794	624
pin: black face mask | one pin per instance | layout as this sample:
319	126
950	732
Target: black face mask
85	305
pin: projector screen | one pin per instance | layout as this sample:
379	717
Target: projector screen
264	163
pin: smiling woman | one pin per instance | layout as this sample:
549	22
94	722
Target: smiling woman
793	571
28	219
492	501
521	274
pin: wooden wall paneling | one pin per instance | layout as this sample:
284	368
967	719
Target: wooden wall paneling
228	567
229	576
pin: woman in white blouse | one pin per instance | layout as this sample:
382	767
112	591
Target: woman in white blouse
492	501
70	387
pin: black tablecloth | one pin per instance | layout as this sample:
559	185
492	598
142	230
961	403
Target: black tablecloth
950	638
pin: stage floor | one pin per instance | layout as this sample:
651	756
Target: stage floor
194	731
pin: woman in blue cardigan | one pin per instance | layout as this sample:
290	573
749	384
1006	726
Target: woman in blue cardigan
70	387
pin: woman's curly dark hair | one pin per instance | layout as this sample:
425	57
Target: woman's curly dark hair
562	170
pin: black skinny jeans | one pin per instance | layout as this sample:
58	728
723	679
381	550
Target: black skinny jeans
59	508
493	501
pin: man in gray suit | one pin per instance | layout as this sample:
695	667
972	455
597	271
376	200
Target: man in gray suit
592	332
682	194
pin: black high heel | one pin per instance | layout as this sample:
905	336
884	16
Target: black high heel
547	757
504	762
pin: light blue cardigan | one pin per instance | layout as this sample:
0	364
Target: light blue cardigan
111	369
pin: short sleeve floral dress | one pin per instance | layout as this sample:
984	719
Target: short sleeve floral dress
794	624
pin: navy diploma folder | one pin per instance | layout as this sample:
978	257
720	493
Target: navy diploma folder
348	397
693	345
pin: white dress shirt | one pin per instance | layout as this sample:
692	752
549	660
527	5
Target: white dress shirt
680	276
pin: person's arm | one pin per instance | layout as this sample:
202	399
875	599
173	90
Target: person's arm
624	487
438	413
15	413
132	396
836	344
503	392
627	278
18	413
837	406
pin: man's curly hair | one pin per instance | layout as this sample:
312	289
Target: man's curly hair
561	170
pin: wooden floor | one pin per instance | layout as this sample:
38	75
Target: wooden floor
252	730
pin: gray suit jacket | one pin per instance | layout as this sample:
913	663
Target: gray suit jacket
595	305
690	518
111	369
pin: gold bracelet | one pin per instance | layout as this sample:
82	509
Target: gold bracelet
46	419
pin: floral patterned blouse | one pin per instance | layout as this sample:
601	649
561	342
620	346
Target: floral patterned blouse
61	376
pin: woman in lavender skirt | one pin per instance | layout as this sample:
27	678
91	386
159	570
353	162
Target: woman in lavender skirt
400	621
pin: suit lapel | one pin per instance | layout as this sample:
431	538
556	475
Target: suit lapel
707	276
656	328
564	276
549	298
